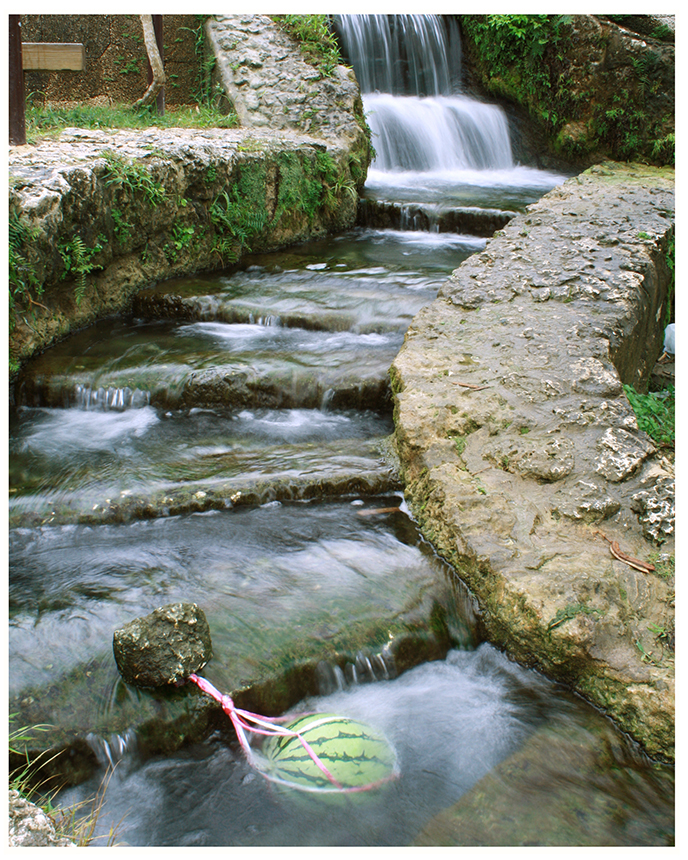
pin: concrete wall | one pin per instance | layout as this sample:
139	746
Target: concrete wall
116	62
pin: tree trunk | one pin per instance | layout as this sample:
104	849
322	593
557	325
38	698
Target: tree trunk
155	62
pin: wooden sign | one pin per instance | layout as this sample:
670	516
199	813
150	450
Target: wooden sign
53	56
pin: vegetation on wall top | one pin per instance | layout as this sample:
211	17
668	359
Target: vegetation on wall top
317	42
534	61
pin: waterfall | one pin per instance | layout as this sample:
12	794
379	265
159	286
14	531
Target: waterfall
409	70
440	133
403	54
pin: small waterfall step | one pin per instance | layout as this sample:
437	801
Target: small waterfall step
323	580
468	220
433	142
142	463
409	69
361	281
368	300
207	364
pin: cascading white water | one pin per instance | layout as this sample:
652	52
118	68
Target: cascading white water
408	67
403	54
439	133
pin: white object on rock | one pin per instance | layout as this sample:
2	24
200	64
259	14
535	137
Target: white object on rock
670	339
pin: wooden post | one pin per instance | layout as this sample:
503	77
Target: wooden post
17	127
157	26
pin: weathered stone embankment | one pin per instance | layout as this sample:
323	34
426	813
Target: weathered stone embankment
522	458
148	206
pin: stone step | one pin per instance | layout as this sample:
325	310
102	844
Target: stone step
469	220
192	478
207	364
288	591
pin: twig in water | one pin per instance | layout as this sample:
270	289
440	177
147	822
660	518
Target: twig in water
369	511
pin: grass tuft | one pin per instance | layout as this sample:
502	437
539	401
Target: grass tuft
655	413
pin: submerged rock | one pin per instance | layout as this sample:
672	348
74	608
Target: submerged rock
564	787
164	647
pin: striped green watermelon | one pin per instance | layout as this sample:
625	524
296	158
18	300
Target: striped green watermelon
356	756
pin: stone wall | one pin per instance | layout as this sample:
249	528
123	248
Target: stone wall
269	83
591	89
116	61
522	458
108	213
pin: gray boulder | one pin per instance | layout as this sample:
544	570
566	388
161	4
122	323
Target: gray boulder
164	647
31	827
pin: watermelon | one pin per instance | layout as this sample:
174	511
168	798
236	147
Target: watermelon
358	757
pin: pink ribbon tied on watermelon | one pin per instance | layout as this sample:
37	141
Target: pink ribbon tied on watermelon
246	721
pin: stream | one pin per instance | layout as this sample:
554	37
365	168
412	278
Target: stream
226	442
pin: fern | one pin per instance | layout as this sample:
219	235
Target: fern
23	283
77	257
237	218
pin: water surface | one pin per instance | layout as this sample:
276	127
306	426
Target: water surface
452	722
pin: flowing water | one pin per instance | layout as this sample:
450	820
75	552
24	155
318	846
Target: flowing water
226	444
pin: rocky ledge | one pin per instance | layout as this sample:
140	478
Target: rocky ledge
522	458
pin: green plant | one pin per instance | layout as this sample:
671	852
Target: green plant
236	222
203	92
655	412
182	236
77	823
24	286
342	185
123	228
317	42
134	177
663	149
519	54
127	67
665	565
659	632
308	184
459	444
77	260
571	611
18	741
524	58
646	656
